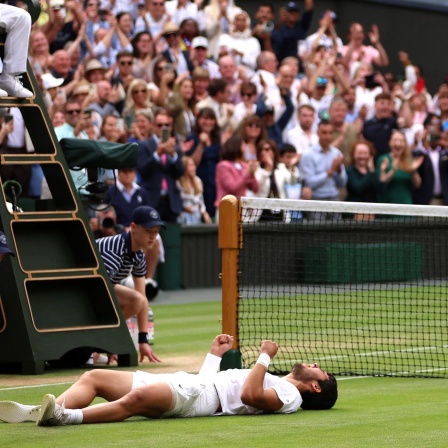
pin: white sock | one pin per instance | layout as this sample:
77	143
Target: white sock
73	417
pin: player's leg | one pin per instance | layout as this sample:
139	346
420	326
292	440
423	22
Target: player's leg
107	384
130	301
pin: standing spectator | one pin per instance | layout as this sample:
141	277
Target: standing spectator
303	136
143	53
219	15
233	174
229	72
267	64
182	106
162	76
94	20
356	52
159	166
124	75
219	92
262	30
180	10
344	133
322	166
434	169
189	29
326	35
174	53
60	68
141	129
361	179
191	191
292	28
379	129
152	20
201	83
103	106
397	172
205	153
239	42
251	131
247	106
39	52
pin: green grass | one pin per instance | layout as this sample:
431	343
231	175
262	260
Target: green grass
370	412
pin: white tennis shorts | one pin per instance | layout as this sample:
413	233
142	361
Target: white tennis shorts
192	396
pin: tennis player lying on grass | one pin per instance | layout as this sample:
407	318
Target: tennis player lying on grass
230	392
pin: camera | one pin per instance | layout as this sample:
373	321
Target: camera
166	132
267	27
107	222
370	81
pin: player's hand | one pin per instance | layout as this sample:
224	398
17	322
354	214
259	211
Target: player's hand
269	347
221	344
146	351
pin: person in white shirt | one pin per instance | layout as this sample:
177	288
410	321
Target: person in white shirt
230	392
303	136
179	10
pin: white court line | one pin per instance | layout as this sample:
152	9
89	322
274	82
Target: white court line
35	385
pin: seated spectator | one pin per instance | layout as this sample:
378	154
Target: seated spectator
94	71
233	174
180	10
231	73
191	191
247	106
239	42
94	19
102	105
397	172
153	19
189	29
205	153
322	166
123	76
163	76
174	53
361	179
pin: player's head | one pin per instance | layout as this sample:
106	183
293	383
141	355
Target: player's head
320	389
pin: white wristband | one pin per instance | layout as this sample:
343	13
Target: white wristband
264	359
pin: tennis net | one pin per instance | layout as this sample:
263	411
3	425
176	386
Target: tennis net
362	289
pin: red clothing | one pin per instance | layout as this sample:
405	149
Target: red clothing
231	180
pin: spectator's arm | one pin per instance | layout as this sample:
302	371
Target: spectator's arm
308	172
287	114
382	60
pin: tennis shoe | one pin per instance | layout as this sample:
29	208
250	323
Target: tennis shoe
51	413
13	86
12	412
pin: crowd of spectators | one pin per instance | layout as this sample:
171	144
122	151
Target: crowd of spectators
222	104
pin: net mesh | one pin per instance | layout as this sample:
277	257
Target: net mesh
362	290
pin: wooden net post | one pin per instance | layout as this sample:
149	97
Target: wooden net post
230	243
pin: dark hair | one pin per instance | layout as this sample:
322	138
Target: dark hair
323	123
247	86
430	118
267	5
207	112
232	149
252	119
135	40
273	146
122	54
325	399
287	148
383	96
217	85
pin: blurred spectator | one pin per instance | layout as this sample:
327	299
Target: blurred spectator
233	174
153	19
124	76
189	29
247	106
39	52
434	169
361	178
262	30
137	98
218	96
229	72
397	172
198	51
239	42
322	166
141	128
162	76
143	53
252	131
201	82
303	136
159	167
356	52
182	106
174	53
180	10
103	105
379	129
326	35
94	71
219	15
191	191
205	153
291	28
